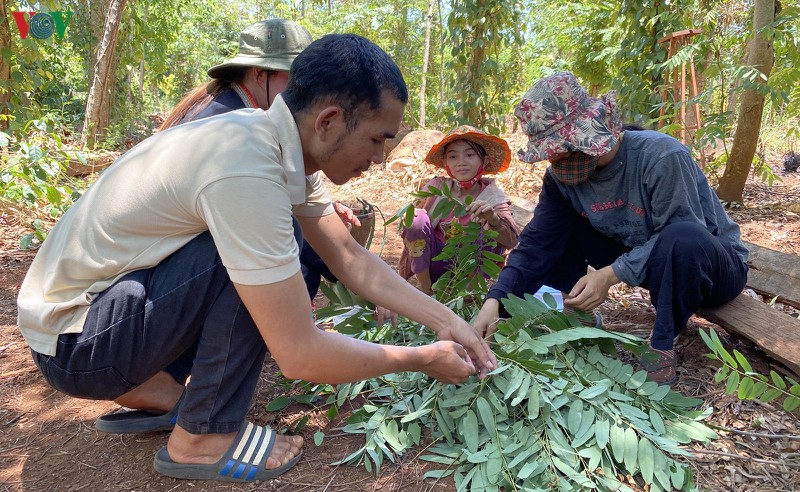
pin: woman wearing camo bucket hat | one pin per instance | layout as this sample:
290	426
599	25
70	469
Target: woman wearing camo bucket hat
632	204
466	154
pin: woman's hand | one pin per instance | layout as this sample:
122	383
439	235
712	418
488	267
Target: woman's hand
346	214
591	290
383	315
486	321
483	214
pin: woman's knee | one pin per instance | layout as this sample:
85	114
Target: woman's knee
682	237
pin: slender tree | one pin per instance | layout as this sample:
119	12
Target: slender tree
99	89
5	63
748	126
425	58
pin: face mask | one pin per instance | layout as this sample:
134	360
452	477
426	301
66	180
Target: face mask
575	168
465	185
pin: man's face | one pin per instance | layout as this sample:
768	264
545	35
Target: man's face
352	152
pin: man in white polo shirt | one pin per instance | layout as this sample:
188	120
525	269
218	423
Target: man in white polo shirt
166	257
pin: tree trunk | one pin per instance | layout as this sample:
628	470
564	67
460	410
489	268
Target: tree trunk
473	86
5	65
440	104
99	88
425	58
748	125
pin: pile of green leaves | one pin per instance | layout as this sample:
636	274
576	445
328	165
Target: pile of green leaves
560	412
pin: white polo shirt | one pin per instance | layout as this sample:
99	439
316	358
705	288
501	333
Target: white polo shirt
239	175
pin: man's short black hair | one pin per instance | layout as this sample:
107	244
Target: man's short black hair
344	69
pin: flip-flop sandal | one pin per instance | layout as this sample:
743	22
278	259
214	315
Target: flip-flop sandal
138	421
660	366
243	462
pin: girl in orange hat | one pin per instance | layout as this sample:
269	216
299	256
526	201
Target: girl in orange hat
467	154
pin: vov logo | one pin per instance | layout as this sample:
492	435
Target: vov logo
42	25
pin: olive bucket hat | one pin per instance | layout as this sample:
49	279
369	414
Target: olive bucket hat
272	44
497	150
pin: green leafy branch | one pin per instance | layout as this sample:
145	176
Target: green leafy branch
560	412
747	384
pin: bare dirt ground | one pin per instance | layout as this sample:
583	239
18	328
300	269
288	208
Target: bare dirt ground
48	441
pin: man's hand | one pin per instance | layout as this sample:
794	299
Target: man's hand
485	323
447	361
346	214
477	349
591	290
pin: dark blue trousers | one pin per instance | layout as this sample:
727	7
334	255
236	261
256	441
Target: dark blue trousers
183	316
313	269
688	268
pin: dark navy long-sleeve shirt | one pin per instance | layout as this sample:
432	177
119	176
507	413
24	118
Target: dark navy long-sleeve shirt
652	182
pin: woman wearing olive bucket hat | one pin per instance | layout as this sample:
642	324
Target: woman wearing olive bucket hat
467	154
632	204
252	79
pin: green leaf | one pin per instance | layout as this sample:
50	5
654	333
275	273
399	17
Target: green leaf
745	387
528	469
514	384
533	403
593	391
631	449
593	454
770	395
657	421
646	460
409	217
278	404
523	392
487	415
469	431
678	400
26	241
437	473
601	430
678	475
637	380
742	361
758	390
564	467
777	380
494	466
319	436
791	403
732	384
617	440
574	416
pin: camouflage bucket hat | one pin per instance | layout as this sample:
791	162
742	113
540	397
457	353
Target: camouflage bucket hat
271	44
497	150
558	115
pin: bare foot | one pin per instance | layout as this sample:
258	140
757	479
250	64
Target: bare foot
184	447
158	394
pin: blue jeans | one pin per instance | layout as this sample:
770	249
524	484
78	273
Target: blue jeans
183	316
688	268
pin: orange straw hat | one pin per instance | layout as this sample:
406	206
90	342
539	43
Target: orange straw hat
497	151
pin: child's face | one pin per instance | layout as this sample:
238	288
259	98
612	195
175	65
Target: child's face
462	160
